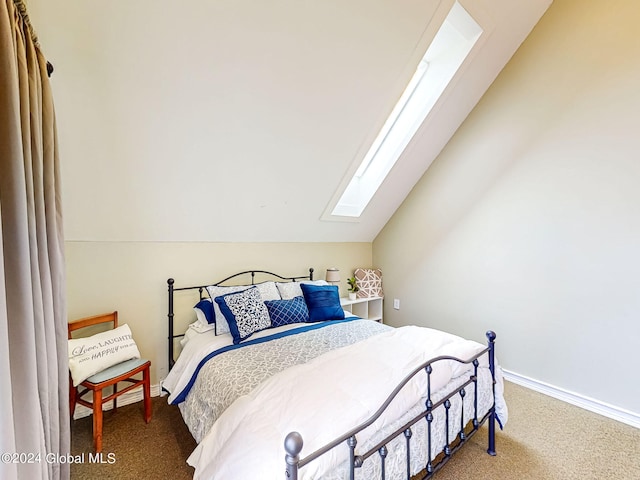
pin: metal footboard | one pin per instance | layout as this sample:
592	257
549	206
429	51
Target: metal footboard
293	442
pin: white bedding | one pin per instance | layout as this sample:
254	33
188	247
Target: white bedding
321	399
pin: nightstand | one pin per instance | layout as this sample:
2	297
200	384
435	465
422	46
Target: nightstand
369	308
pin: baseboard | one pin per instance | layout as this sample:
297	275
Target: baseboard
128	398
595	406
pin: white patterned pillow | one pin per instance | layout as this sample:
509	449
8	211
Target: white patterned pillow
369	282
289	290
245	313
267	290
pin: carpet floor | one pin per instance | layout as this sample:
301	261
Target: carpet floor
545	439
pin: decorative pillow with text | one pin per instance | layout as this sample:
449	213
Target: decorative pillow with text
90	355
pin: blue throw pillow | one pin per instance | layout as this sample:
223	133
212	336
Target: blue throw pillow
284	312
204	311
245	313
323	302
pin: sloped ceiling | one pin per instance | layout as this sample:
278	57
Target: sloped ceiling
239	120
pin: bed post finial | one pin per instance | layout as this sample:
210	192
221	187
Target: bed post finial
293	446
311	273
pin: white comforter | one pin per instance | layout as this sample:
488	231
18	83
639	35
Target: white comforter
324	398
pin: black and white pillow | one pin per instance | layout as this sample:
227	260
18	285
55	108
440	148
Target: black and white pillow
245	313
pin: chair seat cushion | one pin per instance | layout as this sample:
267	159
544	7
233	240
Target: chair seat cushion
116	370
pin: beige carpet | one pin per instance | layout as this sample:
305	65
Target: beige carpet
544	439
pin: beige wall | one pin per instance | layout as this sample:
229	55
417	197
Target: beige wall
528	223
131	277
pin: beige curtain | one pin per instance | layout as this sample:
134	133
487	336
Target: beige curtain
34	412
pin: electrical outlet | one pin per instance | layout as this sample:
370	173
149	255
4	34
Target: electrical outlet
396	303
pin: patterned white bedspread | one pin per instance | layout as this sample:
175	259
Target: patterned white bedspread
236	372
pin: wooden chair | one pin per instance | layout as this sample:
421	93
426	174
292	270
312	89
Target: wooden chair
122	372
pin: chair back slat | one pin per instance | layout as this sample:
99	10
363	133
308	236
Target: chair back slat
95	320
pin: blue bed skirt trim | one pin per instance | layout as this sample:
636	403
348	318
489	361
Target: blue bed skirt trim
314	326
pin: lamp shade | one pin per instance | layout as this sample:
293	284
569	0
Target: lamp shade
333	275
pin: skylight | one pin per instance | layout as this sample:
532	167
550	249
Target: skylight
448	50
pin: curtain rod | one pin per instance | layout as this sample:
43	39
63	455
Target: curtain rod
22	10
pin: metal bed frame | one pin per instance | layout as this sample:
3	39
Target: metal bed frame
293	442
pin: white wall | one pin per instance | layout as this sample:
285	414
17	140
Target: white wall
528	223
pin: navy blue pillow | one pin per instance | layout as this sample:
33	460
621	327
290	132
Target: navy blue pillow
284	312
205	308
323	302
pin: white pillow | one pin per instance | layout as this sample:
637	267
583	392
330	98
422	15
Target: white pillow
200	317
195	328
289	290
90	355
268	291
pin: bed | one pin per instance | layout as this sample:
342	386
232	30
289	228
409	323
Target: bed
276	381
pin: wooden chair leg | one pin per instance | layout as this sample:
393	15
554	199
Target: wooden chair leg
97	420
147	394
115	398
73	393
